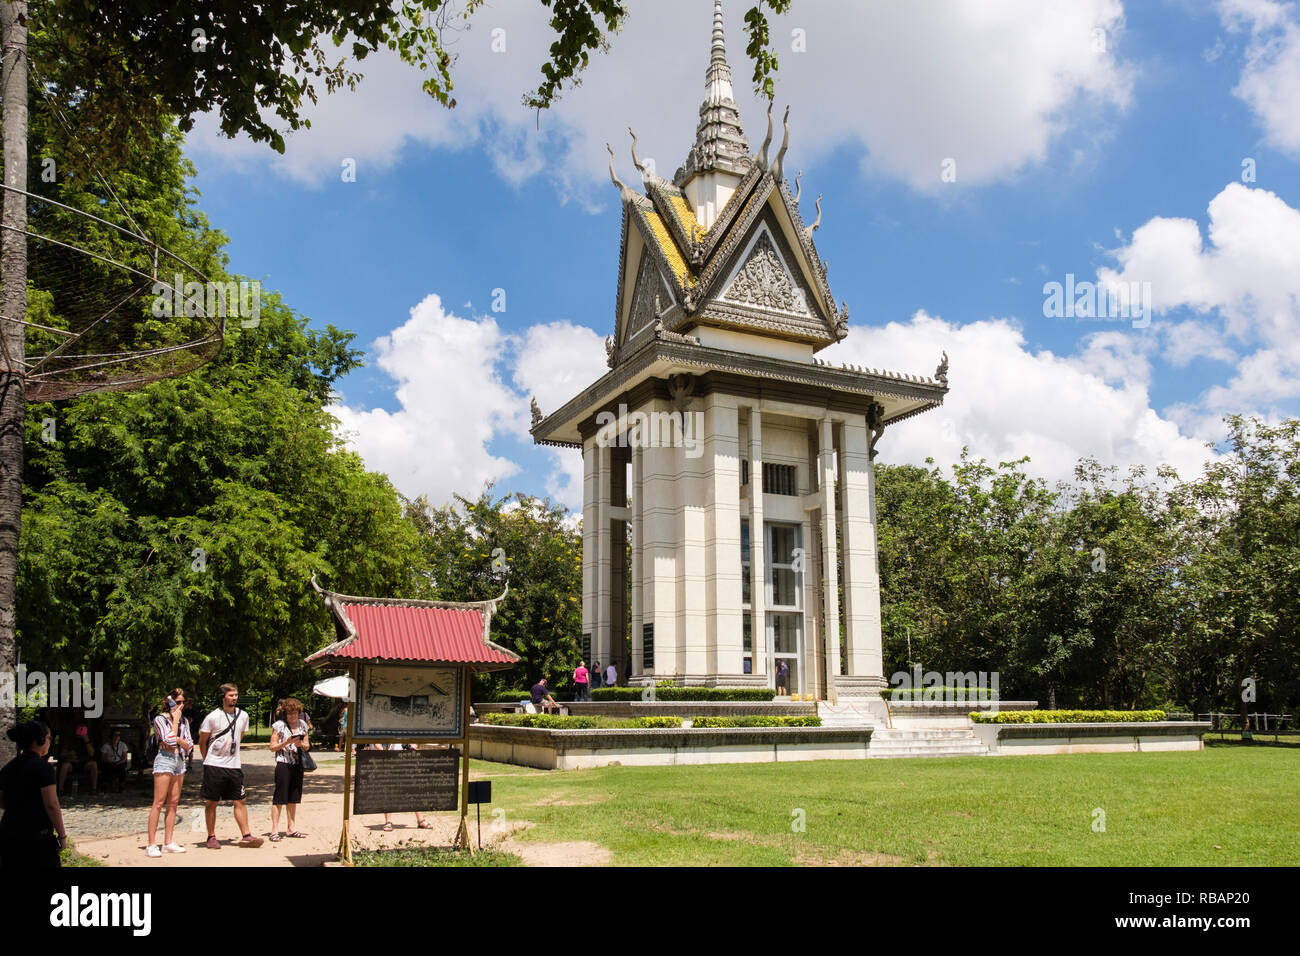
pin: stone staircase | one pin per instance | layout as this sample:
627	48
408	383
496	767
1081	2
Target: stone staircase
890	742
925	743
844	714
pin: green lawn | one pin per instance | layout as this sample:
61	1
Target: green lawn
1224	806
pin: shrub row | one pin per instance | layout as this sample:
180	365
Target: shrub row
684	693
756	720
1068	716
938	693
561	722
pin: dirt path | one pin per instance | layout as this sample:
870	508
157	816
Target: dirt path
113	832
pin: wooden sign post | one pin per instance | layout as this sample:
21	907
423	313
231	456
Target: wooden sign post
409	665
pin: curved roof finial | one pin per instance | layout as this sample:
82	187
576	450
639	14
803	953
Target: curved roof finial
767	140
798	189
816	224
785	144
640	166
626	194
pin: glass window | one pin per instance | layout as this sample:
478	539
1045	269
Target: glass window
785	633
785	588
745	580
784	577
784	541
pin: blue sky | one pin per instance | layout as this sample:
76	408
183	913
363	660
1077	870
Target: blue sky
1088	137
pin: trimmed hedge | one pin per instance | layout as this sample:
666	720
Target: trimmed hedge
1068	716
561	722
756	720
685	693
937	693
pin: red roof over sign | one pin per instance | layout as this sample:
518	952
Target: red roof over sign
395	630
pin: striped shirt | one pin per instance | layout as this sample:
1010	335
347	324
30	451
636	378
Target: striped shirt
167	738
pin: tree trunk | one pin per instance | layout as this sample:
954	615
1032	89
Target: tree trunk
13	308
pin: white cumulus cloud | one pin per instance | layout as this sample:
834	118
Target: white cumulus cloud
990	84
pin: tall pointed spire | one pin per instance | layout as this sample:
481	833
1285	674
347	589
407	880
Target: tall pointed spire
720	142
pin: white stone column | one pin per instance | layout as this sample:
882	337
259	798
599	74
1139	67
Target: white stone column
757	548
865	660
603	544
693	611
635	565
660	559
722	502
830	580
590	544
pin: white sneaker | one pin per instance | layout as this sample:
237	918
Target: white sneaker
174	848
153	850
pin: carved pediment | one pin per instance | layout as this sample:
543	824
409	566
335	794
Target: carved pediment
764	281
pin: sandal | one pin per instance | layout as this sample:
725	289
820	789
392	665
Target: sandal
275	837
388	826
297	835
426	825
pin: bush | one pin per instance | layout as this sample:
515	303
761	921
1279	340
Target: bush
938	693
685	693
561	722
756	720
1068	716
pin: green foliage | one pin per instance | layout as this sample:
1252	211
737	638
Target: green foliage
568	722
169	534
1111	590
471	548
756	720
1067	716
684	693
254	64
660	721
759	48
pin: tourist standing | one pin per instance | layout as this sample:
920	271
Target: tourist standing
289	739
611	675
174	746
223	775
31	830
582	687
782	678
596	675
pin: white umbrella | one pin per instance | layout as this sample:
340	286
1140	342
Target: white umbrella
340	686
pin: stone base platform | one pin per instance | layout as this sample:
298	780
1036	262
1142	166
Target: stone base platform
585	749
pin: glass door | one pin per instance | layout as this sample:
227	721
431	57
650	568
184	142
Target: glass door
785	603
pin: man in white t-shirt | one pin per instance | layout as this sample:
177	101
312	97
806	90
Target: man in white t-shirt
611	675
223	776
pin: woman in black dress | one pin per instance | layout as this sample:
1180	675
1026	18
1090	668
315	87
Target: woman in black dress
31	830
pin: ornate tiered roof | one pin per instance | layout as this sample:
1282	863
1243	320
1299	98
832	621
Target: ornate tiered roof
724	246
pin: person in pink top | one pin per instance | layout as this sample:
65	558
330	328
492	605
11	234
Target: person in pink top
582	682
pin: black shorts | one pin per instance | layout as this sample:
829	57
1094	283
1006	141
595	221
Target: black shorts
222	783
288	784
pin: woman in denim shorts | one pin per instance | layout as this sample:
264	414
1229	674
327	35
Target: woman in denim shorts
174	745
